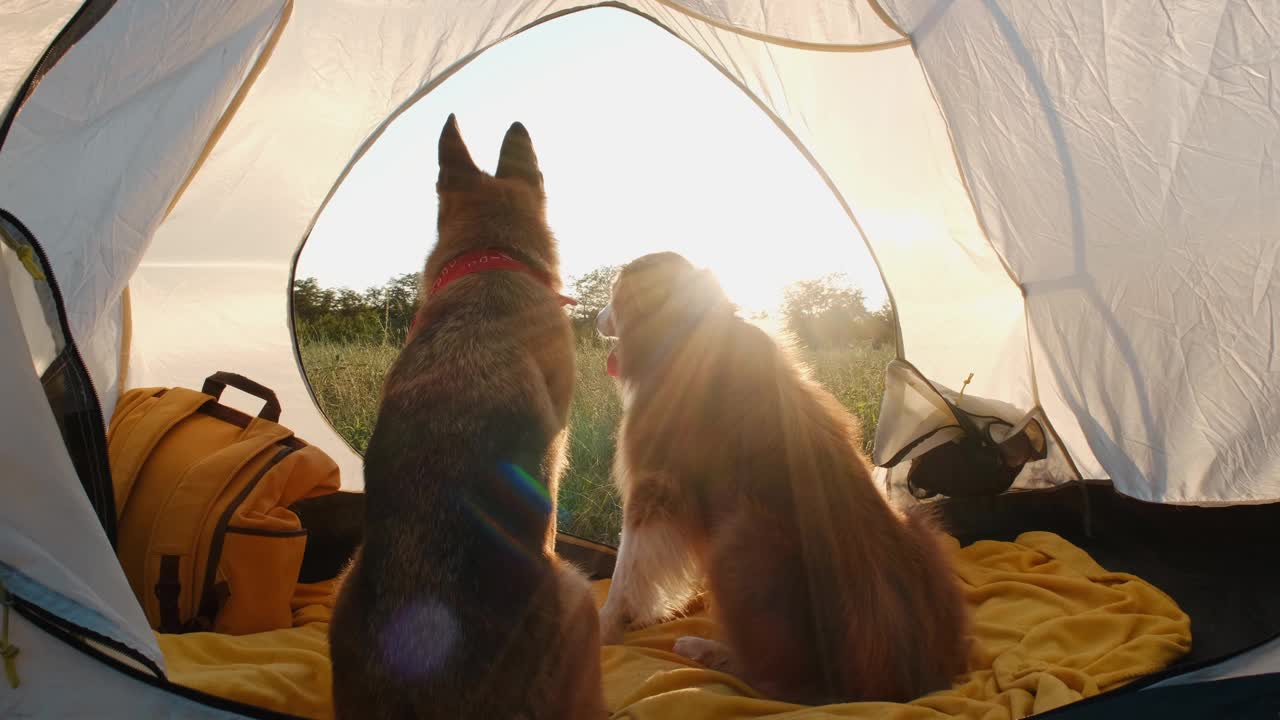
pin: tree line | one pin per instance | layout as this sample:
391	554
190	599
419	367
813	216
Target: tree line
379	315
827	312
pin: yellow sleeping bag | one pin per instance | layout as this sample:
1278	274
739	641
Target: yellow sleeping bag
1050	627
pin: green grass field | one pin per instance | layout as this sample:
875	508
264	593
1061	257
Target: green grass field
347	378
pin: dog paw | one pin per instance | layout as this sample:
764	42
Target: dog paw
707	653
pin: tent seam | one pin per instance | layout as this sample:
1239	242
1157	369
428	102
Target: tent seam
233	105
126	342
787	42
986	234
887	19
53	55
464	61
813	162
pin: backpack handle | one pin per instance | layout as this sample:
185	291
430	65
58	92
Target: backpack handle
217	382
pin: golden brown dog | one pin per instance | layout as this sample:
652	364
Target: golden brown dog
456	606
736	468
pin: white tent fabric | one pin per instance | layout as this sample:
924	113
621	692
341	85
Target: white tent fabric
1123	181
1123	159
54	548
26	29
59	681
811	23
1078	204
1257	661
248	251
117	147
928	404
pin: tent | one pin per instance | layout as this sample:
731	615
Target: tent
1088	227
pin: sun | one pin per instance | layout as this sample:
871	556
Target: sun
751	284
802	235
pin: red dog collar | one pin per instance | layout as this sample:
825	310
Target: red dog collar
484	261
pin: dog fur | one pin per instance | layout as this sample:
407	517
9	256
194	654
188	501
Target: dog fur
738	470
456	605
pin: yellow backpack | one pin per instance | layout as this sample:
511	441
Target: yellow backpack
206	536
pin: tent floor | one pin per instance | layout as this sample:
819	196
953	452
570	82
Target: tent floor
1217	563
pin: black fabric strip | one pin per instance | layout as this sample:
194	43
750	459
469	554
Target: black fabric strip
168	589
1147	681
1242	698
267	533
74	400
897	457
63	630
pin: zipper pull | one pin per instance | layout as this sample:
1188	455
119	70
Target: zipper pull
8	651
28	258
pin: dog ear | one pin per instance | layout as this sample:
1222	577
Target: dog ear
517	159
457	169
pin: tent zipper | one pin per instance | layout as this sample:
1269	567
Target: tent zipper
84	19
95	404
8	651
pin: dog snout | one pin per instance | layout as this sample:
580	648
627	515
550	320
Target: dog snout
604	321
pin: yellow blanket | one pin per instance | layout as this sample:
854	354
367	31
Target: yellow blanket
1050	627
283	670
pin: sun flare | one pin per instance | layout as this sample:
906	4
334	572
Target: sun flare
625	174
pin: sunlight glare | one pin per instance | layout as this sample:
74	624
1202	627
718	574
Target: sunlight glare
644	146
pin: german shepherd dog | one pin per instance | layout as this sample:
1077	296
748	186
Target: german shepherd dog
456	605
738	471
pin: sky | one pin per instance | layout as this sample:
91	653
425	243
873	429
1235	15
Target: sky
644	146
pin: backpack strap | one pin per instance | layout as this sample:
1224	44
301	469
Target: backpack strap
217	382
168	590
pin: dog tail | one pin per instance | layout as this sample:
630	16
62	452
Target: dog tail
882	596
944	630
842	587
